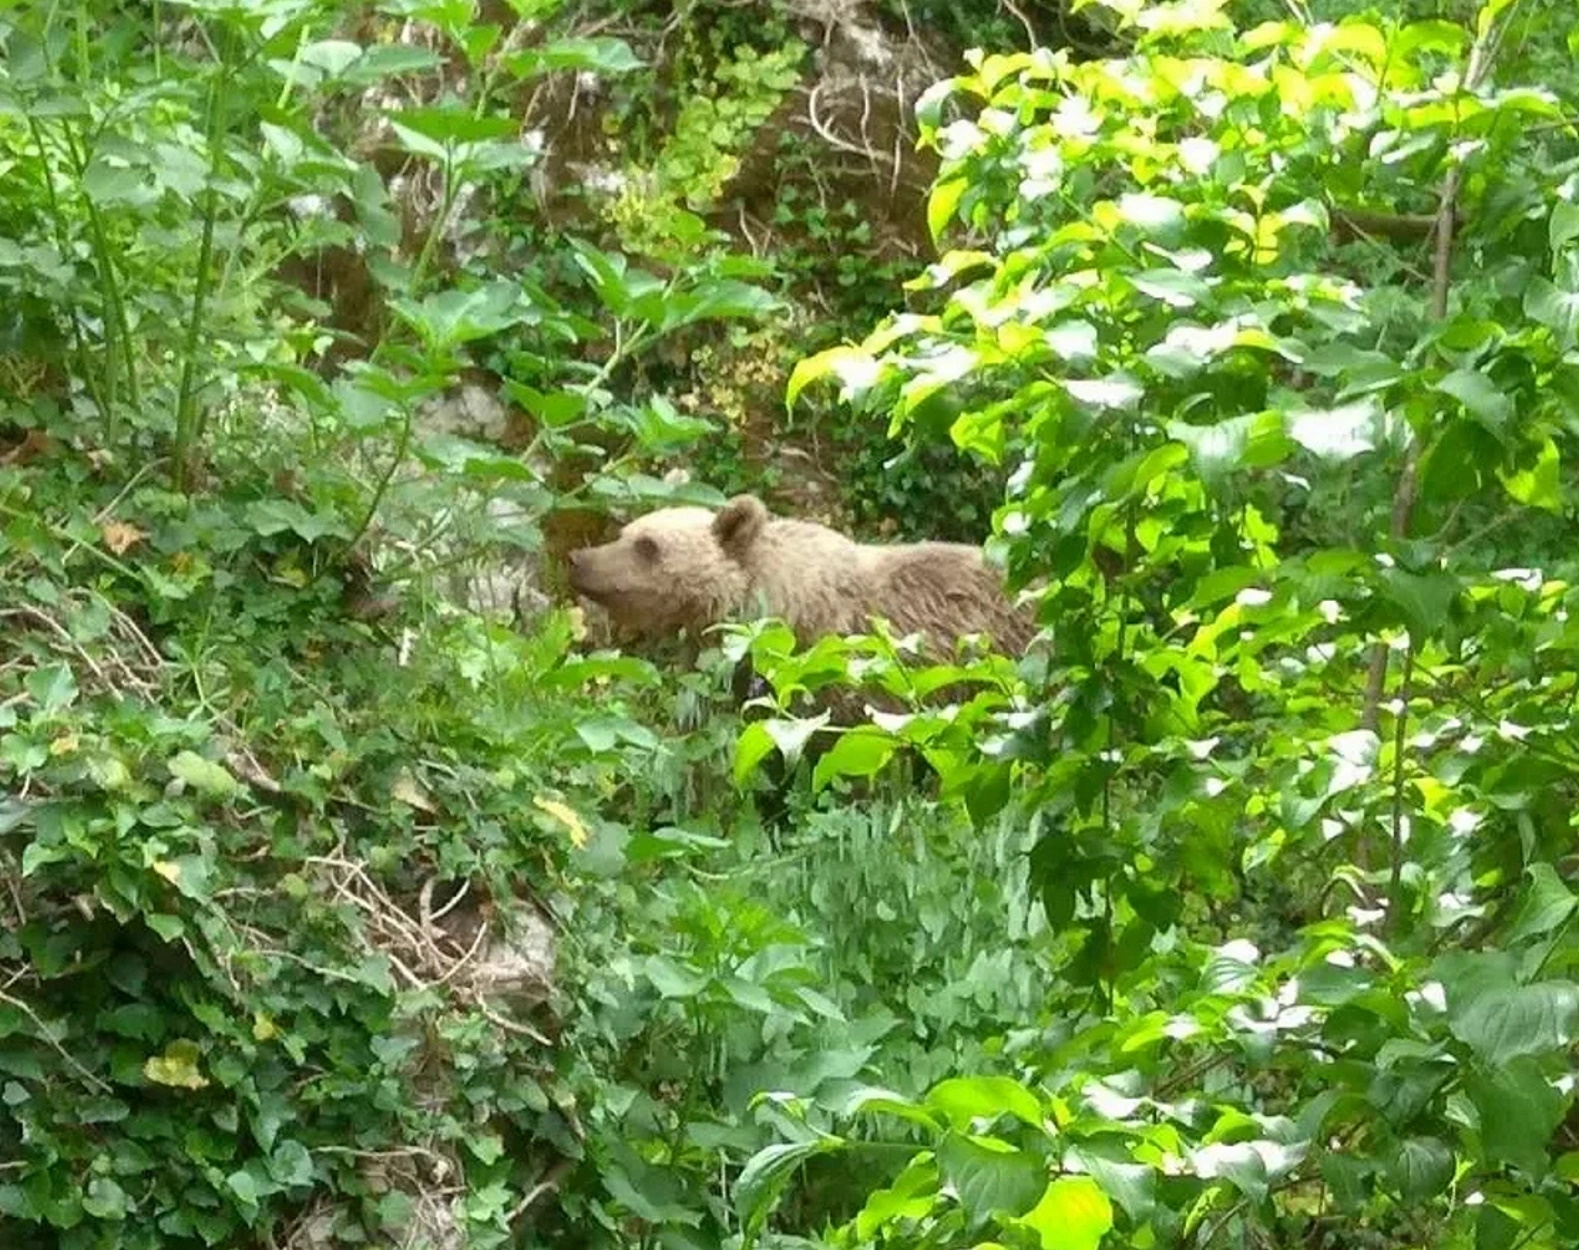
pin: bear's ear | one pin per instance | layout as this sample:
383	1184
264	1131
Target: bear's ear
739	524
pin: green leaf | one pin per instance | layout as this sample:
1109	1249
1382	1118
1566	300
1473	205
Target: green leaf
1255	440
1482	398
672	979
943	203
601	55
1424	600
860	752
765	1174
177	1067
990	1177
268	517
1500	1022
444	124
1074	1214
52	687
290	1164
1131	1185
867	1100
1153	213
389	60
1239	1163
790	735
449	318
855	369
1564	225
1545	905
1420	1169
104	1199
1519	1110
1173	287
964	1100
203	775
1556	309
1539	486
332	56
753	746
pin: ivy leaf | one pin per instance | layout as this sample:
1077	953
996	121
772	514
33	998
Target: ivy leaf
203	775
1073	1214
104	1199
52	687
1564	225
290	1164
991	1179
177	1067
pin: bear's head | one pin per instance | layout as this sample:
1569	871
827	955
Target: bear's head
673	569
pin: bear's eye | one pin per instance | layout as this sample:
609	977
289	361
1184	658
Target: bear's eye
647	548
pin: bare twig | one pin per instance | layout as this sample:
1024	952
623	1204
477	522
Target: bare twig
45	1035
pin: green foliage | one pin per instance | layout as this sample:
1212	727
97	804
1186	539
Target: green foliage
1240	912
232	985
655	209
1152	323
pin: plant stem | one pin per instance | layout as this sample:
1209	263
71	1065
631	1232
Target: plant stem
1408	481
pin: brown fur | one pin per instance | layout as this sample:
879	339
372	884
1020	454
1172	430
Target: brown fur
690	568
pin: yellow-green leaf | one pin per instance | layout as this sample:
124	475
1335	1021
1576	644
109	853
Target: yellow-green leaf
1074	1214
943	204
176	1067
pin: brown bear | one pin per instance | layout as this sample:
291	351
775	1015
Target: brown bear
689	568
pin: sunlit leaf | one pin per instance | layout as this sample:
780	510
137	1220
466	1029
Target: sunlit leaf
1073	1214
964	1100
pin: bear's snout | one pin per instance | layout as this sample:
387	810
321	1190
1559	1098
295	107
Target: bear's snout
582	575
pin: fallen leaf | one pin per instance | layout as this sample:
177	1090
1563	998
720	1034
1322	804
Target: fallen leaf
120	537
566	816
411	794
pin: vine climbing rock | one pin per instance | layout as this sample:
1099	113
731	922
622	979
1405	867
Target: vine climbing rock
687	568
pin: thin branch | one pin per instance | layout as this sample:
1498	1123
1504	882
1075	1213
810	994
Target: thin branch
1408	480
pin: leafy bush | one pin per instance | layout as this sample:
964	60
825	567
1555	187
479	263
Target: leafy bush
1306	788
